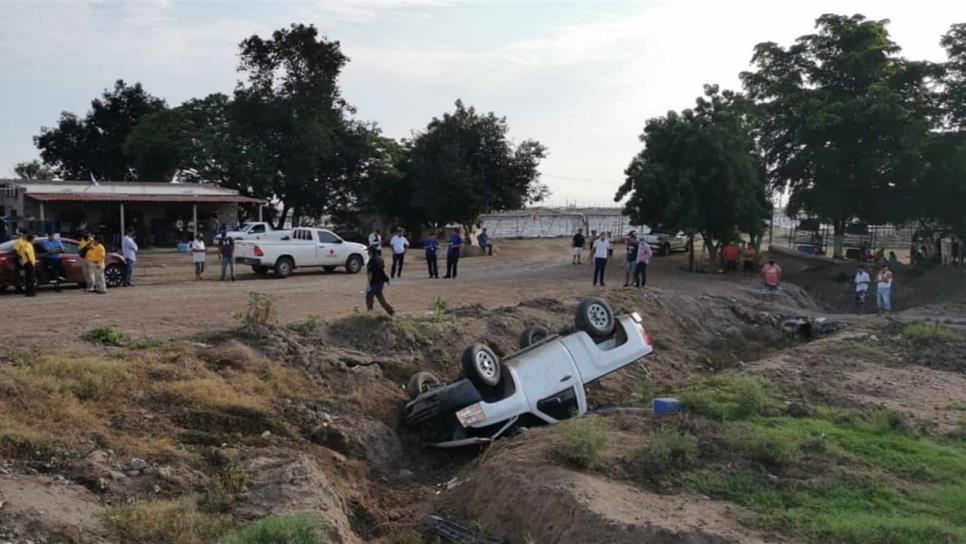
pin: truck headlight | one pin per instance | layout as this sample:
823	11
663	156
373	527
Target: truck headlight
470	415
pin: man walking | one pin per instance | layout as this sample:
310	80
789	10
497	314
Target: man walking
601	246
375	241
453	253
94	259
399	245
630	264
376	274
28	262
771	274
226	250
431	245
53	249
578	243
484	240
884	289
129	250
861	282
644	254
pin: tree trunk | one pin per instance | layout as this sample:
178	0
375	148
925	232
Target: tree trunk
839	237
691	252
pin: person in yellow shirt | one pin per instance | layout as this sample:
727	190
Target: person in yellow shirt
28	262
94	255
17	269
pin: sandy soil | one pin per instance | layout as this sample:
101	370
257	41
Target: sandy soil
168	302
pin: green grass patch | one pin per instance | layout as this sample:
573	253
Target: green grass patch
924	333
726	397
666	451
863	351
580	442
108	336
298	529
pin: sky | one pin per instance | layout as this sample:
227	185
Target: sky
580	76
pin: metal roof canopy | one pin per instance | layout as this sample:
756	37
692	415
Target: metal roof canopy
83	191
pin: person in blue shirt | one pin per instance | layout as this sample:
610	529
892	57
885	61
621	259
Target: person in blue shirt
431	245
53	249
453	253
484	240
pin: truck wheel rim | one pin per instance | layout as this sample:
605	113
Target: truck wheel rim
485	364
112	276
598	316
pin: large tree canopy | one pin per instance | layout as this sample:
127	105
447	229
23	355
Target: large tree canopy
79	147
464	165
700	172
845	118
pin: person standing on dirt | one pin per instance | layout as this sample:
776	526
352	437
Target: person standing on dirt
226	250
431	246
861	281
771	274
375	241
28	263
484	240
884	289
630	261
453	253
600	247
730	254
644	254
578	244
53	249
198	256
129	250
376	274
593	239
748	256
399	245
94	256
610	244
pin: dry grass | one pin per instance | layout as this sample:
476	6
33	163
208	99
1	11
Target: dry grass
165	522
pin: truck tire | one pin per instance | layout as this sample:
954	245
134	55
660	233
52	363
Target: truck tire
419	383
533	334
595	318
353	264
284	267
113	275
481	365
260	269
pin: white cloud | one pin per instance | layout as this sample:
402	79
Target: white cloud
361	11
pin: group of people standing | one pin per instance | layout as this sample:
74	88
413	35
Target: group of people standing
636	257
226	256
883	280
91	250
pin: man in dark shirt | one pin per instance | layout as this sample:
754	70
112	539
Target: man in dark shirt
453	253
226	250
578	244
484	241
376	274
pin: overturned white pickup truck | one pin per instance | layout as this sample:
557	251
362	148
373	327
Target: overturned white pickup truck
540	384
301	248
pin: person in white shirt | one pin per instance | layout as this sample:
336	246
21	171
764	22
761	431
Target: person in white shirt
375	241
198	256
861	281
399	245
601	245
129	250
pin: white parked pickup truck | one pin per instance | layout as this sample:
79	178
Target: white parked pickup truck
301	248
255	231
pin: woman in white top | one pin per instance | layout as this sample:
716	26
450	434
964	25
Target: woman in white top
198	256
601	245
884	292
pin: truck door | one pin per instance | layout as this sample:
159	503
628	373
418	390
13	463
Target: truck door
328	252
552	383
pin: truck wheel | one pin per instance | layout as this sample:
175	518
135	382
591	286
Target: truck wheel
595	318
419	383
113	275
283	267
481	365
666	249
353	264
260	269
533	334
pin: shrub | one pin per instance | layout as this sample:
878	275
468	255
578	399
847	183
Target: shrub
108	336
261	314
221	492
164	522
891	420
772	449
305	328
581	442
726	397
644	389
299	529
923	333
667	449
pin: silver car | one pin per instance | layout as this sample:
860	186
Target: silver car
542	383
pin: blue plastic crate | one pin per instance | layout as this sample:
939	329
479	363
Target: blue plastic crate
667	405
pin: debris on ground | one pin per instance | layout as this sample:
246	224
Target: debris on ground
452	531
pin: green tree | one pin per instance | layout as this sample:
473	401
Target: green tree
78	147
954	78
33	170
700	172
464	165
845	119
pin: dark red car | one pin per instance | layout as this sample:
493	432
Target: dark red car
72	261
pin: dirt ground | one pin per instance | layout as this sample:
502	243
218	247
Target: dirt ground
168	302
